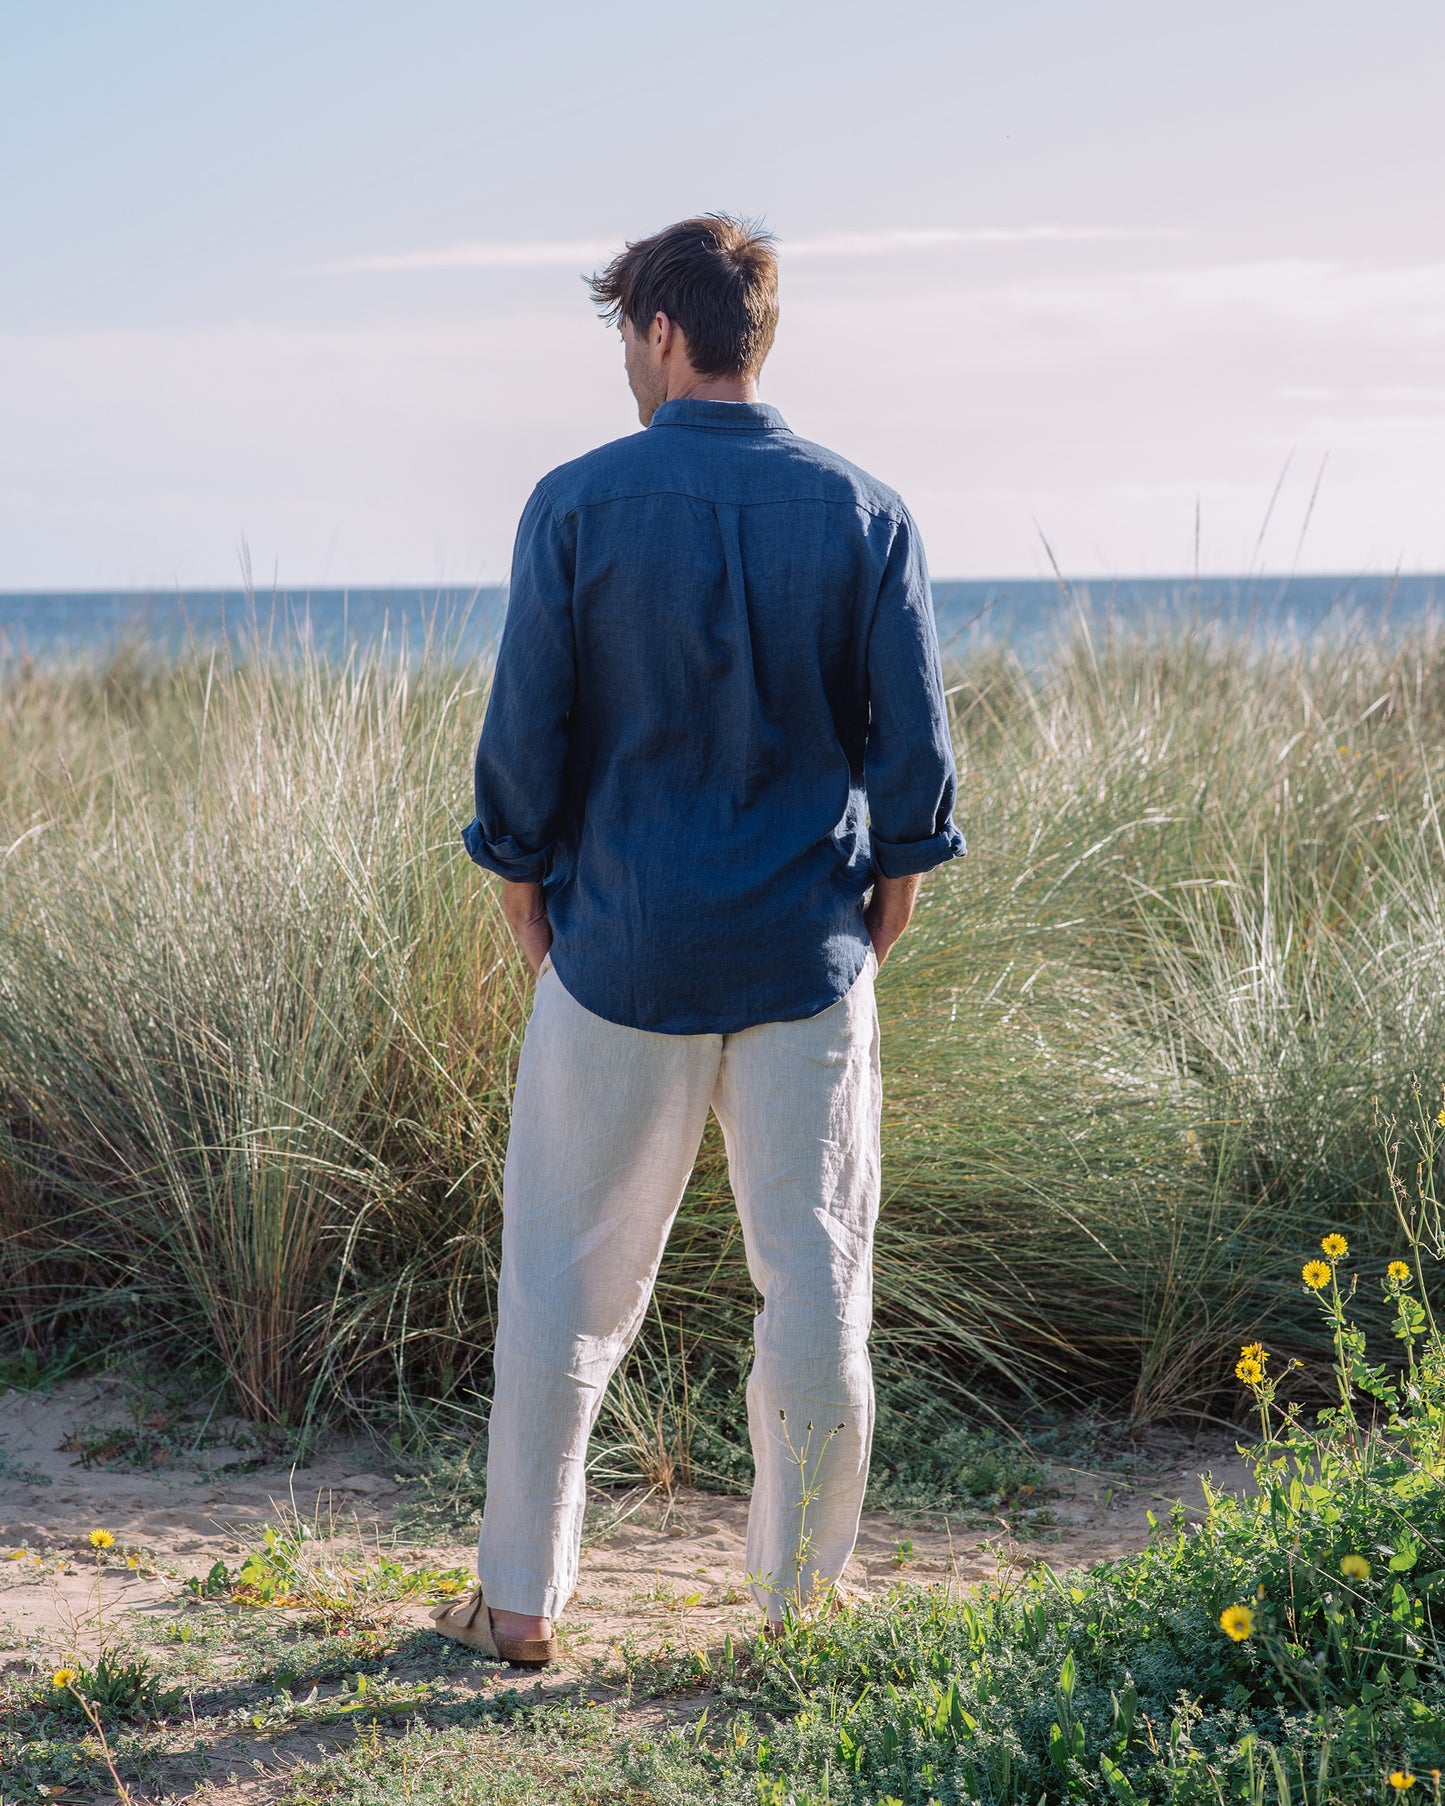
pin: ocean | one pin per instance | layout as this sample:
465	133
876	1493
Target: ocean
1026	614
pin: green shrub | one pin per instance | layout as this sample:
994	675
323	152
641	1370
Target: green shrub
1292	1648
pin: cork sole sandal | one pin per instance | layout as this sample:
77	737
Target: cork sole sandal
469	1621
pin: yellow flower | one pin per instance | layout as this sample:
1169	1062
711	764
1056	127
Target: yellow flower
63	1677
1355	1567
1237	1622
101	1539
1315	1274
1248	1370
132	1561
1400	1781
1335	1246
1440	1118
1399	1272
1254	1351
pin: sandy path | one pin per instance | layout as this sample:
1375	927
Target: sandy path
673	1572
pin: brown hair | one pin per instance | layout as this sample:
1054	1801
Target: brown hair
716	277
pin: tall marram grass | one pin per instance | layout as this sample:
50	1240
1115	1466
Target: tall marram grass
257	1024
258	1020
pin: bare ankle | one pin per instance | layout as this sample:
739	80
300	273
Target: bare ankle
521	1624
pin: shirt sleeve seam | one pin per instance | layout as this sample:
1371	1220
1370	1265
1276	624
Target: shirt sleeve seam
560	522
878	593
546	495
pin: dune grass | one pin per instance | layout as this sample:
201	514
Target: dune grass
258	1023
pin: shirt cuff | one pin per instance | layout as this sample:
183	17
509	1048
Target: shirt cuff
504	857
905	858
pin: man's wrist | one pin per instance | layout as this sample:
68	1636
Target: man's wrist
892	899
523	904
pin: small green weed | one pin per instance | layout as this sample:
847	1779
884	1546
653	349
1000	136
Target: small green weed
161	1423
11	1469
116	1686
303	1566
553	1755
32	1370
926	1459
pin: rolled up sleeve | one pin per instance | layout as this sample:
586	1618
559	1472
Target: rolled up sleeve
910	775
521	767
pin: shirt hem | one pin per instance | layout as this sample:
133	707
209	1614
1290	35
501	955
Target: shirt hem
726	1025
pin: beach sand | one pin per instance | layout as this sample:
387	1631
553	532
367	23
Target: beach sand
657	1571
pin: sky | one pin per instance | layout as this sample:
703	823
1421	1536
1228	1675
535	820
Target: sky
1123	286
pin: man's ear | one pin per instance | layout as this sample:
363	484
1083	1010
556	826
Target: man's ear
664	334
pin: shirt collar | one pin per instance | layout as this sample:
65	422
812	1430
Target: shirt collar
722	416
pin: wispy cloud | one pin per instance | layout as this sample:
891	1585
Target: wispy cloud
481	255
942	238
1406	396
584	253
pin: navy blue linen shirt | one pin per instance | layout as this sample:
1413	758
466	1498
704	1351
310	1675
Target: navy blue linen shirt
717	712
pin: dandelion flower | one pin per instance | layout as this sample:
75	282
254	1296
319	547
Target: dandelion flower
1400	1781
132	1561
1355	1567
63	1677
1335	1246
1315	1274
1440	1118
1399	1272
1237	1622
1248	1369
1254	1351
101	1539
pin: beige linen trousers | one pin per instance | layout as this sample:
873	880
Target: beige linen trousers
606	1123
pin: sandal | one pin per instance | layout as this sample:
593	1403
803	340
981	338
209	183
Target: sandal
469	1621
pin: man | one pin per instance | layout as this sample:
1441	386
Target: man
714	766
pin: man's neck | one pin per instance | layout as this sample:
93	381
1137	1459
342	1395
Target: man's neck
689	386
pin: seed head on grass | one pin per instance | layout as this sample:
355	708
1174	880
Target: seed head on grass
1237	1622
1315	1274
1355	1567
